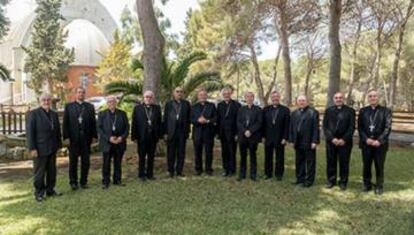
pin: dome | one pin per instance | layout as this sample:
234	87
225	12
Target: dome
88	42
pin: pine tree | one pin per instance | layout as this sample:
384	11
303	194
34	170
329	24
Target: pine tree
47	58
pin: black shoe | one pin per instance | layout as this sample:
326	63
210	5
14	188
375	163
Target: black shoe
54	193
366	188
297	183
74	187
209	173
379	190
39	198
171	174
279	178
225	174
84	186
198	173
181	175
342	187
105	186
253	178
120	184
329	185
268	177
151	178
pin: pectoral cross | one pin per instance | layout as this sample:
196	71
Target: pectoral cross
80	119
371	127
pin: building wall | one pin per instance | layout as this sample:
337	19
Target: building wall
78	75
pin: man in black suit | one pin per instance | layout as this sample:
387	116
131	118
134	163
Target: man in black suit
276	133
146	131
249	124
43	140
113	130
338	126
79	126
374	127
177	122
304	134
203	118
227	130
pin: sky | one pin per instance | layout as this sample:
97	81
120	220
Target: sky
175	10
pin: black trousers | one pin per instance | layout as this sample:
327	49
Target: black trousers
252	148
335	154
82	151
176	153
228	154
146	152
377	155
270	149
116	154
205	143
305	165
44	174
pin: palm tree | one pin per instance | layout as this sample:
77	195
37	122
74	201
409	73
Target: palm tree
173	74
4	73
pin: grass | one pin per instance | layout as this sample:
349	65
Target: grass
213	205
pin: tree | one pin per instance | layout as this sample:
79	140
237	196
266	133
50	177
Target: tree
291	17
383	21
172	75
402	19
335	11
114	65
4	27
47	58
153	46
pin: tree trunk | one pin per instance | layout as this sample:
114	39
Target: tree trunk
396	63
257	78
153	46
353	62
273	83
335	9
309	69
281	26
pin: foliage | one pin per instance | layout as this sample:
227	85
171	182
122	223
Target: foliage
47	58
173	74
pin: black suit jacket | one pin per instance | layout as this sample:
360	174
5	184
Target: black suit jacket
339	123
227	120
383	122
43	132
72	128
275	133
304	127
140	129
208	110
104	126
254	125
171	123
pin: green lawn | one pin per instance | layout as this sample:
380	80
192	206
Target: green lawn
214	205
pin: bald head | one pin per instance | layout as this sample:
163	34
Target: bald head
148	97
373	97
338	99
302	101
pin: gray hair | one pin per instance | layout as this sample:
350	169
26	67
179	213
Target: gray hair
45	95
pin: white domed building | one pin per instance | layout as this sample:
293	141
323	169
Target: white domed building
90	27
